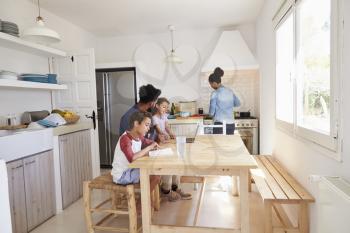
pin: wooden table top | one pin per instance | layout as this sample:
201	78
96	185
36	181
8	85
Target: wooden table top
207	152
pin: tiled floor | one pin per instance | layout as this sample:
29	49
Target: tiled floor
219	209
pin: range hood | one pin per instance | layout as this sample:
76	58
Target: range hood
231	53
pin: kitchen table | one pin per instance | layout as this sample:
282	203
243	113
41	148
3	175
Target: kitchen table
222	155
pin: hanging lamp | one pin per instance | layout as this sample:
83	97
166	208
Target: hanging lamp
172	58
40	33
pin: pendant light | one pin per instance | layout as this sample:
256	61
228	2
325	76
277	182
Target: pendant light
40	33
172	58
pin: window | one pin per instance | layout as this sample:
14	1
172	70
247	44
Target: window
306	71
313	65
284	70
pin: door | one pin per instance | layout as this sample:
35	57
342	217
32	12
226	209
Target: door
77	71
47	184
75	164
34	196
39	188
17	196
116	91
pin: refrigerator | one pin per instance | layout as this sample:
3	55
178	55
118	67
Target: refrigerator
116	93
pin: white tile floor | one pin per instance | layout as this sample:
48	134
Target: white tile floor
219	209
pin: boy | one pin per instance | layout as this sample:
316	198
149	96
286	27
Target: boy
131	146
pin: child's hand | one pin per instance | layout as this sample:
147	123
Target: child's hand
167	137
172	136
153	146
161	138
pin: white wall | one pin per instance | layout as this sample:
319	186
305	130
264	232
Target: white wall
300	158
23	13
147	51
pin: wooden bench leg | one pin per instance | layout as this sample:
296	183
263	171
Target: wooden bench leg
132	209
87	206
268	217
304	218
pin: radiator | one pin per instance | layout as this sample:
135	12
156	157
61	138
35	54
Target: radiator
334	205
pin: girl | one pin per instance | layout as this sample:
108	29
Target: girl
160	120
170	184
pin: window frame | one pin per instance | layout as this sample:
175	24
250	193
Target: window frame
328	143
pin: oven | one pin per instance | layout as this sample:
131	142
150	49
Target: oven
249	131
248	128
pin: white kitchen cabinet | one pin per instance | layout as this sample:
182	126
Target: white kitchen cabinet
75	164
32	191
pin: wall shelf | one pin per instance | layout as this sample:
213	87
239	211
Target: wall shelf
31	85
13	42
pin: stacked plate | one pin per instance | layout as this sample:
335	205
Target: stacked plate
9	28
41	78
8	75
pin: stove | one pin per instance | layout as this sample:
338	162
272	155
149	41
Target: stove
249	130
246	123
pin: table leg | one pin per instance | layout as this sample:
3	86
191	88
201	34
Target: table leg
244	199
235	186
145	200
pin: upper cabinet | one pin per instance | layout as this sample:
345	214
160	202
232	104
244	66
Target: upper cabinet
30	47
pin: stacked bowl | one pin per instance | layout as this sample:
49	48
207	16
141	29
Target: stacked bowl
9	28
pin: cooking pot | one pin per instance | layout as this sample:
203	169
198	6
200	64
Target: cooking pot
244	114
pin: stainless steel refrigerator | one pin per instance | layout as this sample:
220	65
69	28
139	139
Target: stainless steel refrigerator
116	93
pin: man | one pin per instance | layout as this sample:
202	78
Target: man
148	95
222	101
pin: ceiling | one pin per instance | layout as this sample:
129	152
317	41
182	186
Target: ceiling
125	17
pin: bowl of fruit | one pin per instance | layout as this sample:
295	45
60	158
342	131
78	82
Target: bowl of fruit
69	116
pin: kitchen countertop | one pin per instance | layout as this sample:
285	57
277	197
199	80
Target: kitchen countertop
66	129
186	120
24	143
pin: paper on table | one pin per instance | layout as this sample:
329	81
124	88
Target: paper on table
161	152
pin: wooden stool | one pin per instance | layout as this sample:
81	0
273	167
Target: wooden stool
105	182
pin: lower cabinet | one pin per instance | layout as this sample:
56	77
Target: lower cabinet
31	191
75	164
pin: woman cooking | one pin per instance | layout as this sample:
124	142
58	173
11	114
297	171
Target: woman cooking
222	101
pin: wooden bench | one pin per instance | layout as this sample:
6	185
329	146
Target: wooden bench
277	187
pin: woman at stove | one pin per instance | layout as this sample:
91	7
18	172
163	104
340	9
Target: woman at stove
222	102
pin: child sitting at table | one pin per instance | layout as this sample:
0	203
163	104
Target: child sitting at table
133	145
160	120
170	184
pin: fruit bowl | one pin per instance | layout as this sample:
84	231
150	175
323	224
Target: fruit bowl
72	119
